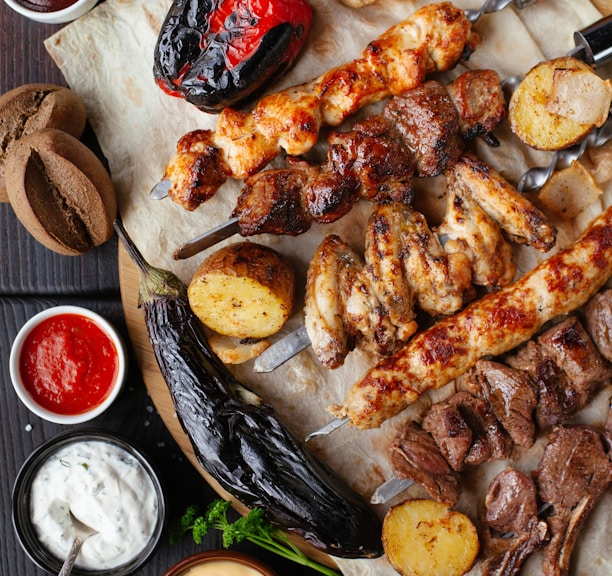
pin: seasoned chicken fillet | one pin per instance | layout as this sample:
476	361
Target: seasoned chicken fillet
493	325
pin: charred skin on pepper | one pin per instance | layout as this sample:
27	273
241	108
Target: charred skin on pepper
218	53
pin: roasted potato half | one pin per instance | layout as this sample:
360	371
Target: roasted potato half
244	290
423	537
558	103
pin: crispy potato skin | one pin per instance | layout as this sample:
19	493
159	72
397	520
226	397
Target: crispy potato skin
534	116
244	290
423	537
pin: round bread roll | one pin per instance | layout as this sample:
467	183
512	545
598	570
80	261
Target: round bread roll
61	192
32	107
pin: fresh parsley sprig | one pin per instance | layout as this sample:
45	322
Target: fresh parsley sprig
254	527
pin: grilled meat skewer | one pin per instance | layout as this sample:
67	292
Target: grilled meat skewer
420	133
432	39
493	325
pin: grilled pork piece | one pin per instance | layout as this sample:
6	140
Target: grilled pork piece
573	475
493	325
434	38
418	133
511	395
566	368
466	431
511	528
414	455
597	315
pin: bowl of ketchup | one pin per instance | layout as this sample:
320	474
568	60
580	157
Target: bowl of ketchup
52	11
68	364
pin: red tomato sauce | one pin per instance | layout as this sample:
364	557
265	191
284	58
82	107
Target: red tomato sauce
68	364
46	5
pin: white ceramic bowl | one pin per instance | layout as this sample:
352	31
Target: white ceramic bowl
22	520
26	396
72	12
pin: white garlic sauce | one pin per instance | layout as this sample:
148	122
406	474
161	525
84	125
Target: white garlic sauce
106	488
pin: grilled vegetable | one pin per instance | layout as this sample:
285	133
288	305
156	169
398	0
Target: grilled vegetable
238	439
558	103
217	53
244	290
424	537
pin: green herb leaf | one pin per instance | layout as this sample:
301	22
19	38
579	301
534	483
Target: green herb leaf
253	527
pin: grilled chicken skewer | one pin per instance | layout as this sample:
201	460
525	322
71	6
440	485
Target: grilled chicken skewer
432	39
493	325
419	133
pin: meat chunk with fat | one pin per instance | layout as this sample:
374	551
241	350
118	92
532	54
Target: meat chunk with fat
428	121
511	528
414	455
597	314
573	475
511	395
466	431
566	367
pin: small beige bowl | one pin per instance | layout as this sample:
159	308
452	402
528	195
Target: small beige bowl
189	566
72	12
26	397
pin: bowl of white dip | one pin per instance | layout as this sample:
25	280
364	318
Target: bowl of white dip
106	483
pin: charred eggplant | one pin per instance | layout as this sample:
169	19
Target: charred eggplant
238	439
218	53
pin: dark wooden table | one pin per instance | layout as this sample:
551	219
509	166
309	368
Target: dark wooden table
33	278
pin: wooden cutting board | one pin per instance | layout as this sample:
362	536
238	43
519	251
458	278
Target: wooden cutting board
129	279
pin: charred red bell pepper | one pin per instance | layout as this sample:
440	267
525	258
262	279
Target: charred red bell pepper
217	53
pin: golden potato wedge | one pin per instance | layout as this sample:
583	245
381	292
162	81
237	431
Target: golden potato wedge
558	103
423	537
244	290
569	191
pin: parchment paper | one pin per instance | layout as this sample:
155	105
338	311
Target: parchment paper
107	58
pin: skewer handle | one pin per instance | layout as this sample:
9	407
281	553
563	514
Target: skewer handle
390	489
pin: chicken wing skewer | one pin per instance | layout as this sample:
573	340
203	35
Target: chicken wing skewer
492	325
407	265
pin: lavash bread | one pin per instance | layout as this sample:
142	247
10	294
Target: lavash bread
32	107
60	191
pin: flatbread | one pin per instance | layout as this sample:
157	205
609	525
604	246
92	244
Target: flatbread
107	58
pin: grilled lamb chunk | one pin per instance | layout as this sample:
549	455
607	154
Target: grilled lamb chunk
511	395
413	454
607	432
573	475
429	124
573	351
511	528
466	430
567	369
597	315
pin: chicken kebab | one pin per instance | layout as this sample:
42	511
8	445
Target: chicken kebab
432	39
418	134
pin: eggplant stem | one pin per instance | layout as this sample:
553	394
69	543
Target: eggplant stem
131	248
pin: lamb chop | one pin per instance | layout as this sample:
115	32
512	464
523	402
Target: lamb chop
414	455
511	528
573	475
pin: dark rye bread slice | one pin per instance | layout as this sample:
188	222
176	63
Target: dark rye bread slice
32	107
61	192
